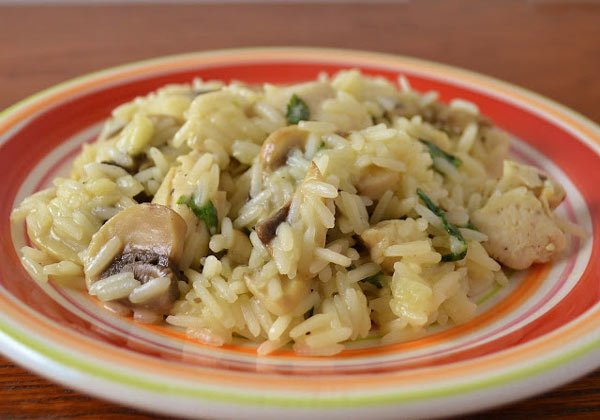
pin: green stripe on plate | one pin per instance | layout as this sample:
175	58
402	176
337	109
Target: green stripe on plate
230	395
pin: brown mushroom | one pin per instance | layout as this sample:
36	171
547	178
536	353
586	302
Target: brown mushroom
267	228
151	238
277	146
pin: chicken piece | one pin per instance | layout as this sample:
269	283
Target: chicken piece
390	232
375	181
542	185
519	228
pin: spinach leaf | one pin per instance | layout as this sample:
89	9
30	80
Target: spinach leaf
207	213
460	249
297	110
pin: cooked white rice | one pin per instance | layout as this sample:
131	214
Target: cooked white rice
358	252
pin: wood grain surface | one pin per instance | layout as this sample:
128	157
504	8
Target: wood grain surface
549	46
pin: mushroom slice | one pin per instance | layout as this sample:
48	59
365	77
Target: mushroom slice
267	228
292	292
278	145
151	240
146	267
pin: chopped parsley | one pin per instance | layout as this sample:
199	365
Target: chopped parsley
458	245
375	280
436	152
297	110
207	213
471	226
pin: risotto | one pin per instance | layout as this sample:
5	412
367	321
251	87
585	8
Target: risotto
307	215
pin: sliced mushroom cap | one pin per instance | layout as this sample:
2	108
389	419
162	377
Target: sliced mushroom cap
147	266
151	238
267	228
278	145
146	227
293	291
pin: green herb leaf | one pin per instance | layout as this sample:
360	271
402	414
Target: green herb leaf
436	152
471	226
297	110
207	213
451	229
375	280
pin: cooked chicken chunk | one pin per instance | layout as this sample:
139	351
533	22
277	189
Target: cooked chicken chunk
520	230
387	233
537	181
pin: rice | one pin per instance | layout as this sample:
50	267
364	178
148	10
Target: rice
408	248
362	272
107	253
149	290
332	257
356	222
114	287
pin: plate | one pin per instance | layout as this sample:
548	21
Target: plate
539	332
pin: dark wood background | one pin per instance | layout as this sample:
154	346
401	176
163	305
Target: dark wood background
549	46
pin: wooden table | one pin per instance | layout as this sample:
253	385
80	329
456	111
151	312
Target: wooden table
549	46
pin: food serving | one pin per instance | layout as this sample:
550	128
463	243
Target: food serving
310	215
